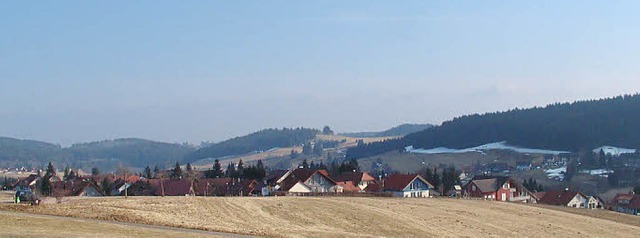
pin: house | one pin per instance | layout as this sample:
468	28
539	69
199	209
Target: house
349	187
359	179
305	181
626	203
161	187
595	202
496	188
28	183
565	198
75	188
407	185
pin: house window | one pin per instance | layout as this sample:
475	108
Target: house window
473	188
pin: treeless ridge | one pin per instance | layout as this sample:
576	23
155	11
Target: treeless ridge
346	216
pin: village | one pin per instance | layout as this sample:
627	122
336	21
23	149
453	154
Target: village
49	186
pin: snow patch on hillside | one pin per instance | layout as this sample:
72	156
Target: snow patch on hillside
615	151
491	146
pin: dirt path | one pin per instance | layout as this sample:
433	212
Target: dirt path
9	220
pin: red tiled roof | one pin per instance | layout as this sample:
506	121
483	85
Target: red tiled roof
172	187
348	187
627	200
72	187
355	177
302	175
397	182
558	197
373	187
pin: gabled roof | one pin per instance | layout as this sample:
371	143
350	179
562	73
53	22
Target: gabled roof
301	175
559	197
172	187
487	184
627	200
398	182
72	187
348	186
373	187
355	177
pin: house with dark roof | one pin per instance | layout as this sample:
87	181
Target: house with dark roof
496	188
27	183
305	181
407	185
75	187
565	198
359	179
626	203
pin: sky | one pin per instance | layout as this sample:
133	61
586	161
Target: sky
192	71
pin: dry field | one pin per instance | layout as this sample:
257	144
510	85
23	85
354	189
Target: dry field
348	217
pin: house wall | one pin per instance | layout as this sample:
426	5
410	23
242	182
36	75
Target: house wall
416	188
319	184
578	202
91	192
299	188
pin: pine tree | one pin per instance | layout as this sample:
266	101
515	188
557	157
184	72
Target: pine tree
107	186
51	171
72	175
240	169
45	185
176	173
65	175
147	172
190	171
307	149
156	171
305	164
95	171
261	170
217	169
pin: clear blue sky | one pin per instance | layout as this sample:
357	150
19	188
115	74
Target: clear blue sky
78	71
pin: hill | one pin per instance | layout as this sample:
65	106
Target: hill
25	152
104	154
254	143
348	216
577	126
400	130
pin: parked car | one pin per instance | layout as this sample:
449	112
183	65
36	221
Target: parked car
25	196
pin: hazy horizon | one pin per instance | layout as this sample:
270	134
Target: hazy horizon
208	71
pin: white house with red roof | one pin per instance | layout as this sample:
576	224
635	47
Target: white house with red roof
304	181
407	185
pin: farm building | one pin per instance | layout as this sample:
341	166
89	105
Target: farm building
497	188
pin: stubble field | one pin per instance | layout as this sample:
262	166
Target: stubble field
348	217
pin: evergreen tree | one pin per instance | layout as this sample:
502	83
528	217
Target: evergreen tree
156	171
176	173
318	148
65	175
294	154
231	170
240	170
217	169
305	164
190	171
327	131
436	178
72	175
262	171
51	171
107	186
95	171
45	185
307	149
636	190
147	172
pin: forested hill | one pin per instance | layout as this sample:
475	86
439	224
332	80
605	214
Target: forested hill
257	141
574	127
106	154
400	130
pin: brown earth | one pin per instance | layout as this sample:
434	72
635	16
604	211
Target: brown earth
348	216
